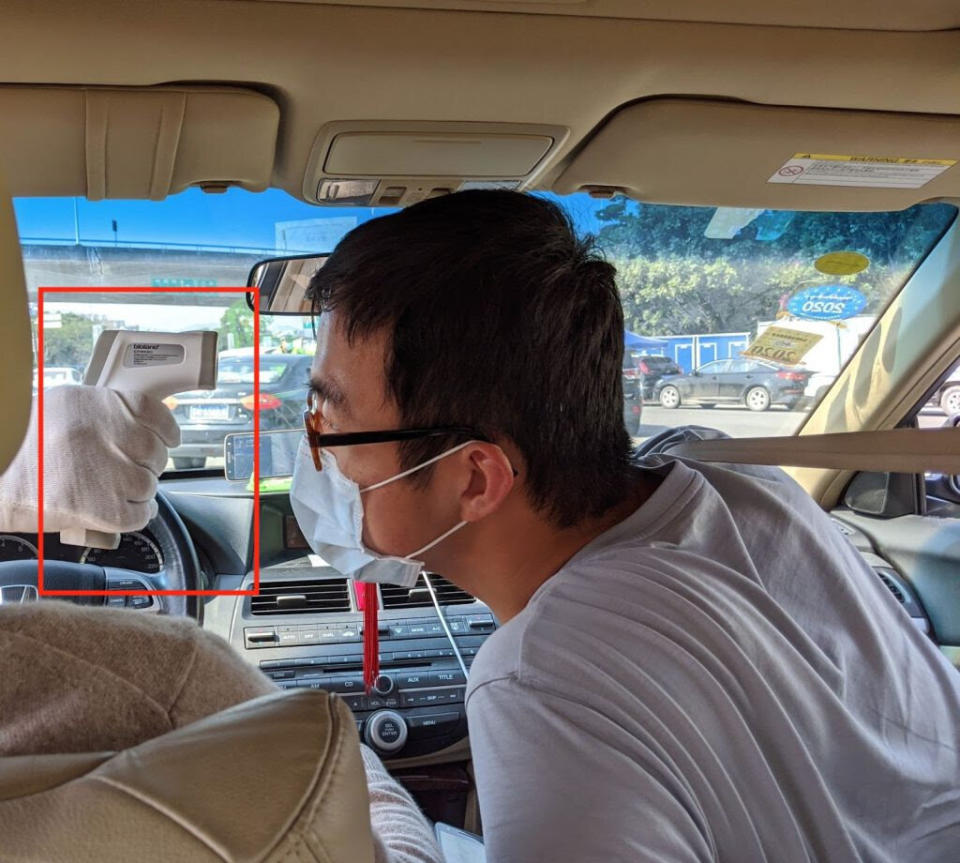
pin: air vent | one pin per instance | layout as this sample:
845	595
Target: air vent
892	586
301	597
419	597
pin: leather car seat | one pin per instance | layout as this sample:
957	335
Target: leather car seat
15	336
278	778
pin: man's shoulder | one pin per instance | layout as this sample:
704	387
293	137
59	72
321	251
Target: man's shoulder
578	615
500	656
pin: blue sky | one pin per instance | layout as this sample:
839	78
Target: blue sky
236	218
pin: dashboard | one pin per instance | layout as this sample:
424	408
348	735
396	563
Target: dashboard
304	628
139	551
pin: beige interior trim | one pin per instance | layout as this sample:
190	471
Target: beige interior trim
459	751
412	160
96	119
894	450
168	136
15	336
326	63
110	142
709	153
923	15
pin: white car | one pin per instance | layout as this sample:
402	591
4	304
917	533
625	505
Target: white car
947	395
818	384
58	376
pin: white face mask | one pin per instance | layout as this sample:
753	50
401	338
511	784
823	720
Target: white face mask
329	510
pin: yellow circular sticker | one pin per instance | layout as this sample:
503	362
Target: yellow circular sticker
842	263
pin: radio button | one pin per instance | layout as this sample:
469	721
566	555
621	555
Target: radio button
386	731
383	685
432	720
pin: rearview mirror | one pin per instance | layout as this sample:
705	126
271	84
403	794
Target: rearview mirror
282	284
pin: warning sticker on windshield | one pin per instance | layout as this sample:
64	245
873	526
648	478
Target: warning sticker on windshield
876	172
780	345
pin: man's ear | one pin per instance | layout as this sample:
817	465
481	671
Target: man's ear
492	478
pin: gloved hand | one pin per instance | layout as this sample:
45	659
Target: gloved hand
103	451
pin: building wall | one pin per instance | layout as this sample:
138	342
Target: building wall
61	266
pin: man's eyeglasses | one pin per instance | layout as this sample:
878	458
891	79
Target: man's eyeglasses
319	440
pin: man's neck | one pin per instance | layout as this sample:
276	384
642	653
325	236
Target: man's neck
533	550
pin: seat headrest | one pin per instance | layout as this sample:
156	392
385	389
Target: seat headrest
278	778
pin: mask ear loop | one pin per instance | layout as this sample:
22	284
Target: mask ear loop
436	458
437	541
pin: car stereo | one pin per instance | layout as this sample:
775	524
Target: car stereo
306	632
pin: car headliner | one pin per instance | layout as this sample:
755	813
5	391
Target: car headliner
327	63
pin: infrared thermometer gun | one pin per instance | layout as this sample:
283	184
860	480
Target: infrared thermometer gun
159	364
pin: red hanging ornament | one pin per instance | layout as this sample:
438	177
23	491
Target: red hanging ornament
368	600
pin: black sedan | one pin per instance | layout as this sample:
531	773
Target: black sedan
632	405
651	369
756	384
205	417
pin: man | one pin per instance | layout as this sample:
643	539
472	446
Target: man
693	664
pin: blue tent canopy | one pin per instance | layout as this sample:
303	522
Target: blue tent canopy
639	343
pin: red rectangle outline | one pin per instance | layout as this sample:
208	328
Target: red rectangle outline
141	289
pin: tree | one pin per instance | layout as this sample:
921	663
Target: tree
70	344
237	320
674	279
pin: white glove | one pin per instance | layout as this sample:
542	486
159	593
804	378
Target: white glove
103	451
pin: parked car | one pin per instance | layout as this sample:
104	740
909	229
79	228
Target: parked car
632	405
651	369
817	385
756	384
205	417
57	376
947	395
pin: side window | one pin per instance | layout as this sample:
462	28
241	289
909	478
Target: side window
947	396
714	368
942	409
741	366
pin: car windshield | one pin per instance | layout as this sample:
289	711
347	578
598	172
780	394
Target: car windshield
707	293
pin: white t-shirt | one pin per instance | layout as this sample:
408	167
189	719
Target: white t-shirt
718	677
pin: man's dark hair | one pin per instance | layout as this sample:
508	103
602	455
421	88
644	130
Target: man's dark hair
501	319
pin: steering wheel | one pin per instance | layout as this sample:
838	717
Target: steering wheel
181	571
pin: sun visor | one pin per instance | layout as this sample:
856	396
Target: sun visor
105	142
711	153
